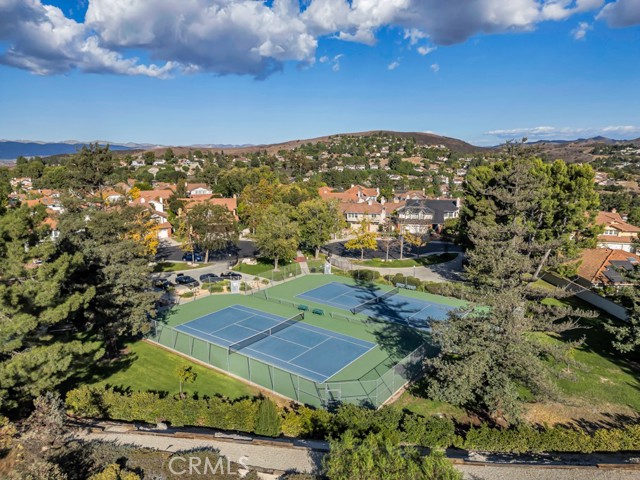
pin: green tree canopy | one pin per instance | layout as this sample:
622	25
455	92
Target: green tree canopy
213	227
277	237
318	221
379	456
364	240
36	306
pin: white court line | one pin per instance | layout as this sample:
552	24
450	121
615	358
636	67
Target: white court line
203	333
299	325
293	365
350	363
308	350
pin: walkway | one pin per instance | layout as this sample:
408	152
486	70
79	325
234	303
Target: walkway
307	457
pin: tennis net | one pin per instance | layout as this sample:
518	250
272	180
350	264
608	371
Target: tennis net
362	306
266	333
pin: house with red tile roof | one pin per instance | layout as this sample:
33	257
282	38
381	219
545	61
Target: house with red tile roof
230	203
355	194
602	267
618	234
372	212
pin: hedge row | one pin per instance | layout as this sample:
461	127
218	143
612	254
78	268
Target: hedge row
149	407
299	421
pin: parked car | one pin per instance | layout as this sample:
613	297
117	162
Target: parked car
183	279
231	276
162	283
192	257
210	278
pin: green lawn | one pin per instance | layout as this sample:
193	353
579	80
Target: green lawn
418	262
318	264
174	267
428	408
595	373
265	269
148	367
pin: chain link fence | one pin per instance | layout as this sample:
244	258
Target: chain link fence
372	389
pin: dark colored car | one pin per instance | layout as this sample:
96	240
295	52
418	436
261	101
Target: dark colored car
183	279
162	283
210	278
192	257
231	276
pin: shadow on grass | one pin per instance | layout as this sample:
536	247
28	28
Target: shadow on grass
95	372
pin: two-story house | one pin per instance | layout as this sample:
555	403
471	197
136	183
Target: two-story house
618	234
420	216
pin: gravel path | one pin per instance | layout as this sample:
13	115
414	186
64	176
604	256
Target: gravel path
264	456
517	473
306	460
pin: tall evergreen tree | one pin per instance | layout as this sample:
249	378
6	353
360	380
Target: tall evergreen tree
514	220
36	305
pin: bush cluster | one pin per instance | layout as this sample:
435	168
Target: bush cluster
365	275
262	416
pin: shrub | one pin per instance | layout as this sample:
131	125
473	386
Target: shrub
217	412
299	421
215	288
365	275
268	420
115	472
433	432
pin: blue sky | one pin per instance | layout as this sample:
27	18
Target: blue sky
498	69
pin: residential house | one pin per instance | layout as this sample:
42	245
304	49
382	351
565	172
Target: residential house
355	194
157	198
602	267
618	234
404	195
356	213
420	216
198	189
231	204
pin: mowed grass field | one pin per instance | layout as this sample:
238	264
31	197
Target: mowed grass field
147	367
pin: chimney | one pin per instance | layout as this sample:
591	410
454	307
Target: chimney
613	210
458	203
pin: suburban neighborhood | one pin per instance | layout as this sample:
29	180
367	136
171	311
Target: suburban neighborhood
319	240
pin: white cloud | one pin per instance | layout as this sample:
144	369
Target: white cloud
567	133
435	68
254	37
424	50
41	39
621	13
335	61
580	32
393	65
414	35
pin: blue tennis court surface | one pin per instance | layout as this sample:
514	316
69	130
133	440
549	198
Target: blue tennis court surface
308	351
397	308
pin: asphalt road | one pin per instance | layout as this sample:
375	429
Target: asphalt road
338	248
245	249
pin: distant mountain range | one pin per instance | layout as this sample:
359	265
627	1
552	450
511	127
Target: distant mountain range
12	149
570	150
